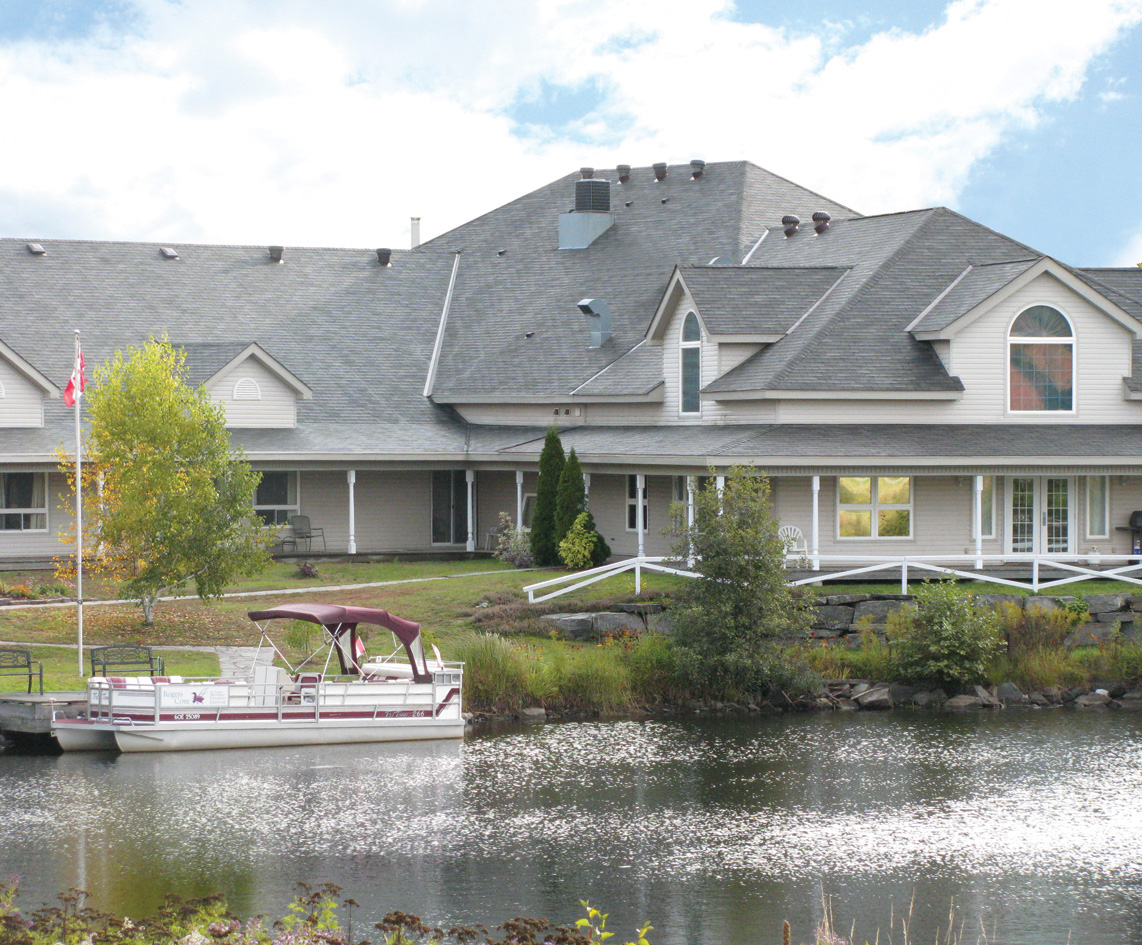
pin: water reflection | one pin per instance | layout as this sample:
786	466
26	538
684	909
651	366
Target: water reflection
714	831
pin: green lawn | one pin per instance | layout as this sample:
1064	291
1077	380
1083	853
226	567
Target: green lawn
60	669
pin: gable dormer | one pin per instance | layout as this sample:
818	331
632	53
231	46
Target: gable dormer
254	387
22	391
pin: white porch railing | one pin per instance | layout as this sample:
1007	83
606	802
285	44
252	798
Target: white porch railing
1077	568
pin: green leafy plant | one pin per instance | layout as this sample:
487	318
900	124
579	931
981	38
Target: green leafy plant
595	926
513	546
577	549
299	635
950	642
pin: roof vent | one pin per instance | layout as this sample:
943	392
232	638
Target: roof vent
36	249
598	315
624	173
501	252
592	196
697	169
790	223
384	256
168	252
660	171
414	231
821	221
276	253
587	172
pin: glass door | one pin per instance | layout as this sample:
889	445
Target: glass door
1040	515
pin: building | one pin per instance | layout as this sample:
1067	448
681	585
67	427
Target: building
913	383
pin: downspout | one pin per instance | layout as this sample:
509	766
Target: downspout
430	381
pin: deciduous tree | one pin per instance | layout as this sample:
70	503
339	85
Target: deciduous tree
167	497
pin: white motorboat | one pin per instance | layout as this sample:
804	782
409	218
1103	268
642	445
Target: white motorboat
398	697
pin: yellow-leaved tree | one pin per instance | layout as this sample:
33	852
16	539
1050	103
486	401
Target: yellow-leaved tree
167	496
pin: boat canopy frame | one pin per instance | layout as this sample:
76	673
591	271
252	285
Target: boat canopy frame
338	620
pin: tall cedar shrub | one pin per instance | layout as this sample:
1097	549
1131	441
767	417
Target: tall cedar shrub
571	503
544	541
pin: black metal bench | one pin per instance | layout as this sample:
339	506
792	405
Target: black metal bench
19	663
125	657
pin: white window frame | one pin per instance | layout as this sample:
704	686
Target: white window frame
1073	341
453	491
689	346
873	506
632	504
26	511
288	508
983	505
242	387
529	500
1105	532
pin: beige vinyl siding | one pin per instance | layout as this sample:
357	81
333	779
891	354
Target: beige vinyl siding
277	406
609	506
537	415
23	403
731	354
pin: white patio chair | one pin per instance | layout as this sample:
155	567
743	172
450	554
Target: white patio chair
793	539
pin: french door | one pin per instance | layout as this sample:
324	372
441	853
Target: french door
1040	517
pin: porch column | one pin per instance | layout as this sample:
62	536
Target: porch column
518	501
816	525
587	488
351	475
640	498
720	482
691	483
977	520
470	478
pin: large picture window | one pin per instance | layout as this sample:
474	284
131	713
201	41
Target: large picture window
690	366
449	507
874	506
1041	361
25	502
276	497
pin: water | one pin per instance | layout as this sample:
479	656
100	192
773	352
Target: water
1029	824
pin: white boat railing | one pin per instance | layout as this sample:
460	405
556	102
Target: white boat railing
1077	568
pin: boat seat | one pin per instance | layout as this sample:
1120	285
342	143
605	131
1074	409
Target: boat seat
386	670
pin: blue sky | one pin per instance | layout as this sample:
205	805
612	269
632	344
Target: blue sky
266	122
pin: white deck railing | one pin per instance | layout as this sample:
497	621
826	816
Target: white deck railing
1078	568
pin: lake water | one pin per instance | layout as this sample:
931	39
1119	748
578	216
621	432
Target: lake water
1028	824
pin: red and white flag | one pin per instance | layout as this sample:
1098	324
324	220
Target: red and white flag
76	384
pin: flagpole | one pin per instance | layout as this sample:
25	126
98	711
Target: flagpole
78	513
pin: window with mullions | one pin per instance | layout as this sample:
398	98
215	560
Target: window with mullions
1041	361
632	505
276	497
24	496
874	506
690	366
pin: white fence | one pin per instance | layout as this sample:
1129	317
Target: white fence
1076	568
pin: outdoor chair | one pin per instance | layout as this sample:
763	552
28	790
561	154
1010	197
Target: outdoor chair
793	539
303	531
19	663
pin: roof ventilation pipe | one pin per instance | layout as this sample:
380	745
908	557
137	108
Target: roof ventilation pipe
624	173
598	315
821	221
587	172
276	253
414	231
591	217
660	171
697	169
790	223
384	256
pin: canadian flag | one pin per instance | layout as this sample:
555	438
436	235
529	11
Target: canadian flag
76	384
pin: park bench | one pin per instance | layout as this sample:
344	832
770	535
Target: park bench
125	657
19	663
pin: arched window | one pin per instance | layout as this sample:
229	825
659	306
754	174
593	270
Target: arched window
1041	361
690	367
247	389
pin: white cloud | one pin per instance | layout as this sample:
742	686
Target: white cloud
1131	252
290	122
